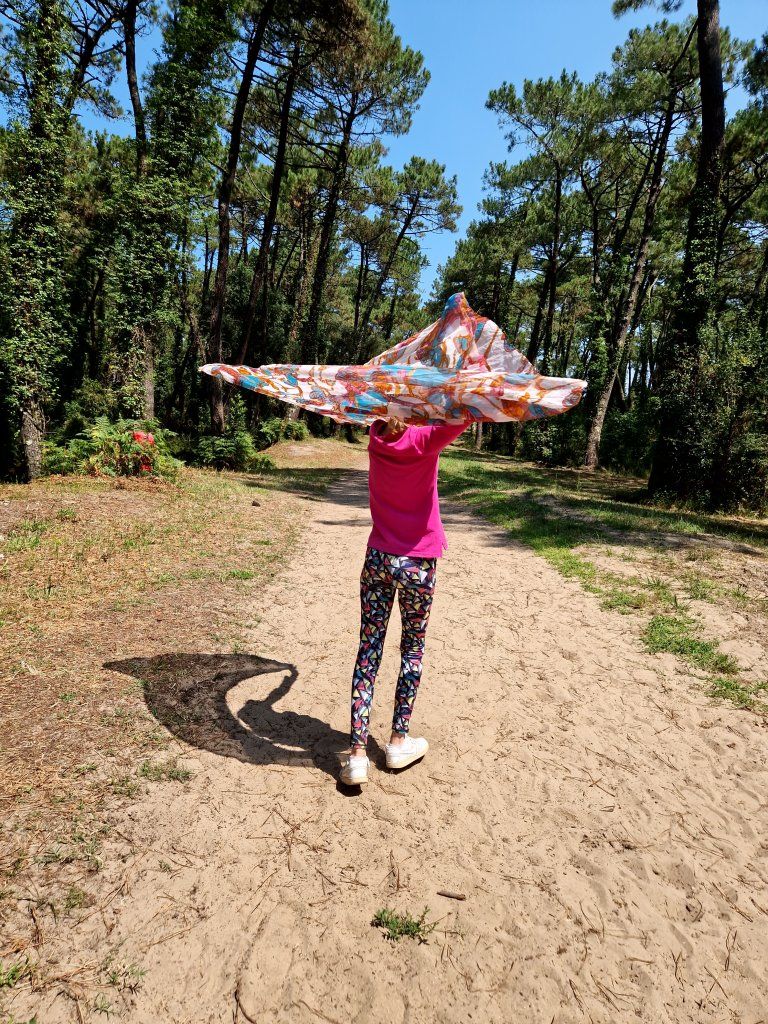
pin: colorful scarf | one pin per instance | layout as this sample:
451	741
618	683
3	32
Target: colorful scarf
460	367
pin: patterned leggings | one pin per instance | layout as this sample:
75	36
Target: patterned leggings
414	581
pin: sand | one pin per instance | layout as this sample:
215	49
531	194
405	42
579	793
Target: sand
605	820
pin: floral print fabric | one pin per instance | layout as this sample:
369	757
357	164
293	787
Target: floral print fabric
460	367
414	581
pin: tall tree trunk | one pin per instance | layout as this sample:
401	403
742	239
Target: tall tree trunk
384	274
306	262
391	315
32	433
139	121
309	347
226	188
554	266
35	341
510	283
619	340
533	344
680	454
362	274
259	282
141	330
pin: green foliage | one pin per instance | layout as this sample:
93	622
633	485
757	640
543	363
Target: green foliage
13	973
277	428
397	926
676	634
34	342
105	448
168	772
628	437
743	696
89	402
235	450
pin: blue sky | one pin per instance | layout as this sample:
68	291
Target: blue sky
470	48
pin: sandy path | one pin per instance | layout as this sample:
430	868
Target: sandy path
606	822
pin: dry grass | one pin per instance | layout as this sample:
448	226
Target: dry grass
96	571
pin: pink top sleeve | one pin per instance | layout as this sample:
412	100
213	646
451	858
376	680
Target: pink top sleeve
428	440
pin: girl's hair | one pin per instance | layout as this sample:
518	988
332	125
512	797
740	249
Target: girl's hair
395	423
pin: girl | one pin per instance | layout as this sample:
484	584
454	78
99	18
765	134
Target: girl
403	547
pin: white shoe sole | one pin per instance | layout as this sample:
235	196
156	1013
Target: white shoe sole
406	759
351	782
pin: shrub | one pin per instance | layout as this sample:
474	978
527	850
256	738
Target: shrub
295	430
104	448
275	429
236	450
90	402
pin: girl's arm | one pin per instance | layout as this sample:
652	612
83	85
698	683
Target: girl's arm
435	438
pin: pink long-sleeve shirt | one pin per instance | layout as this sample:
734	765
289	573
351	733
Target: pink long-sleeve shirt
402	483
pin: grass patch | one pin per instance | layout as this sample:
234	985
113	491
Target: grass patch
625	601
748	697
123	976
76	899
124	785
699	588
26	535
168	772
676	634
240	574
397	926
14	973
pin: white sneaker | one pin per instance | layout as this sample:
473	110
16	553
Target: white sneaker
354	771
403	754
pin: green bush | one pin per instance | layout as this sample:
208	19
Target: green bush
236	450
628	437
295	430
554	441
746	476
105	448
275	429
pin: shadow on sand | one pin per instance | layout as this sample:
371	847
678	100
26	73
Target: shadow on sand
187	693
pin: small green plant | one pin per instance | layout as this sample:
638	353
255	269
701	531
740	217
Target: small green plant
102	1005
26	534
123	976
747	697
699	587
396	926
676	634
168	772
275	429
124	785
14	973
75	899
624	601
240	574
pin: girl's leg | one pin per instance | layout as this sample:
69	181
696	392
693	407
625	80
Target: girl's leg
377	595
415	593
